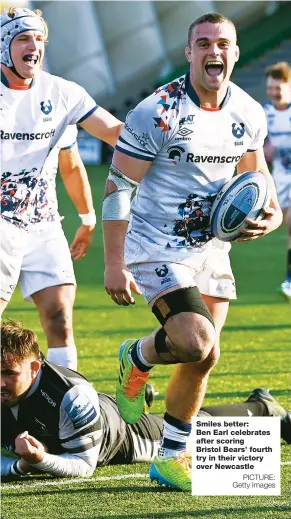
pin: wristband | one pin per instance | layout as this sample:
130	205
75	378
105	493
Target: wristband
88	219
16	470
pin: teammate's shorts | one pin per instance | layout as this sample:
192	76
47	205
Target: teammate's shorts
13	243
42	260
210	271
123	443
283	187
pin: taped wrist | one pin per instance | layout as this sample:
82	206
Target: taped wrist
116	206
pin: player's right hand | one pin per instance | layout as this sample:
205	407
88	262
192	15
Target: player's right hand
119	283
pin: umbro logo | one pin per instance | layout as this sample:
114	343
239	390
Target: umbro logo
184	132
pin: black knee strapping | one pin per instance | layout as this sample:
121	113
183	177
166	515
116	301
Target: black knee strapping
178	301
162	349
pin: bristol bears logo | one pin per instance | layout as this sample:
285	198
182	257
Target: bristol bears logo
161	273
46	108
238	130
175	153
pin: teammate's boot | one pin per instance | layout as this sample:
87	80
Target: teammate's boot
172	472
275	409
285	289
130	391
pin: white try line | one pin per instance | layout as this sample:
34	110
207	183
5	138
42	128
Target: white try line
71	481
83	480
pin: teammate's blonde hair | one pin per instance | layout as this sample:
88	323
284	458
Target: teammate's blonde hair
281	70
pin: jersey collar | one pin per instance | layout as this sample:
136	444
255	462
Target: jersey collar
5	82
194	97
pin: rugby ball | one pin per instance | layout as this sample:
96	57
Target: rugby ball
244	196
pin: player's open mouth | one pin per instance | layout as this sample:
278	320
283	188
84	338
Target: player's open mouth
4	395
214	68
30	59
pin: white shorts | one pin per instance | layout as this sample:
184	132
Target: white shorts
44	260
210	271
283	187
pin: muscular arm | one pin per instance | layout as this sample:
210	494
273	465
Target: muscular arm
75	179
103	125
77	185
80	434
118	281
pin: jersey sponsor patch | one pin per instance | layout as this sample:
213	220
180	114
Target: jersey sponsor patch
81	411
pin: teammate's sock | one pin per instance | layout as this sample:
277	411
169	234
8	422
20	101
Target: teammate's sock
175	434
288	276
65	356
136	357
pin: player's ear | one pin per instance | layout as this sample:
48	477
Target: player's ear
188	54
35	367
236	53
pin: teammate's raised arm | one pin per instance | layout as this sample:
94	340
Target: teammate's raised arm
103	125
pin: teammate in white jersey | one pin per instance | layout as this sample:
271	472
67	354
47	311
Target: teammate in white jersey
278	146
54	421
47	274
179	147
36	108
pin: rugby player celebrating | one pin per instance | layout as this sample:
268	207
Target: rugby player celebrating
179	147
36	109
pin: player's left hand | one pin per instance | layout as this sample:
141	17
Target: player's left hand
29	448
82	241
271	220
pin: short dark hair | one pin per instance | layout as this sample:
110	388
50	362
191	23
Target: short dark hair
18	341
208	18
281	70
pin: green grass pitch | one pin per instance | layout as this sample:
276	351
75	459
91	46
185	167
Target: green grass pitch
255	352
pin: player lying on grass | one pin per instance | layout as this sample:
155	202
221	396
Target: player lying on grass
36	109
180	146
54	420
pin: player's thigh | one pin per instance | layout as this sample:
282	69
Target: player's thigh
186	325
47	264
12	244
56	303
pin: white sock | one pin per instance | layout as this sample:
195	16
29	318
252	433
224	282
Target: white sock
65	356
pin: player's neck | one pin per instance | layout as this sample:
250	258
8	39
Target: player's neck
14	81
208	99
282	106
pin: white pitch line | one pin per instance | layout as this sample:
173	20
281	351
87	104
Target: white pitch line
84	480
70	481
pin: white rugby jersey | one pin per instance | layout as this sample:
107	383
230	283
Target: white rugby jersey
32	122
279	134
45	194
193	153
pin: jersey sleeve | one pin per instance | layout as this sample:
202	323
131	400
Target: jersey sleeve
261	130
79	103
69	137
80	434
144	131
